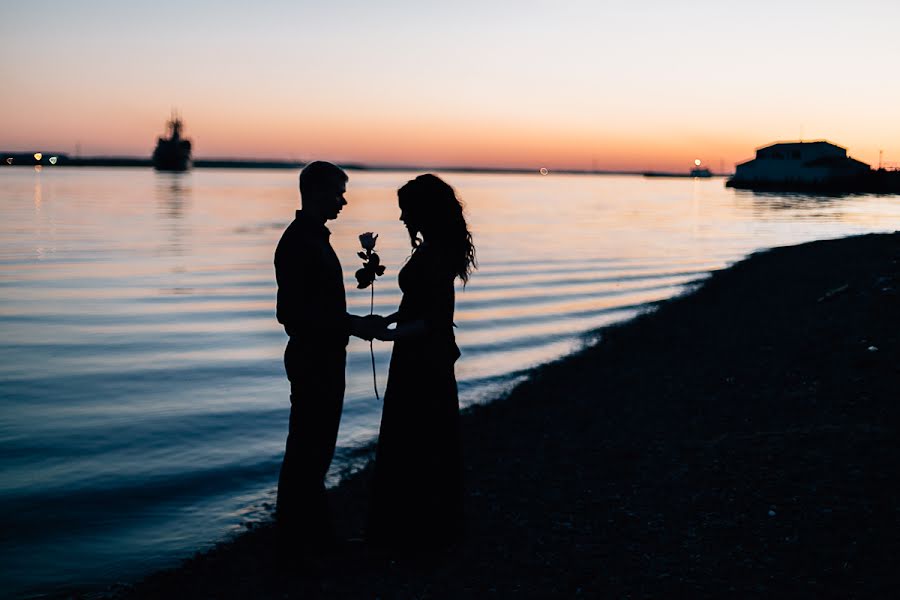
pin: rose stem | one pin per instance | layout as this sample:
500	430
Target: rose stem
371	342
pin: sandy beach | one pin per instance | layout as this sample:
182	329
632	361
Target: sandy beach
738	441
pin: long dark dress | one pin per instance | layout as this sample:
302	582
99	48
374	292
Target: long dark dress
417	491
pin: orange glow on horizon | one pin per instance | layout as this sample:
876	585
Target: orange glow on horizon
418	142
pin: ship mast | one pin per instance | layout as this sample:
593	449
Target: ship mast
175	125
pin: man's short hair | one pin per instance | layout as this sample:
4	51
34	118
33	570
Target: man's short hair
320	175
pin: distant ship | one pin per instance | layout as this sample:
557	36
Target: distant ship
696	171
700	172
172	153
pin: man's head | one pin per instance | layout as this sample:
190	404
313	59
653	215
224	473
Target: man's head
322	188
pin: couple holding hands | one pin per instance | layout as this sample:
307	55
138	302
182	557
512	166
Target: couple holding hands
417	494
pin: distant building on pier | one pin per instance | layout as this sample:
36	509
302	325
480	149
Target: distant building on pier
787	165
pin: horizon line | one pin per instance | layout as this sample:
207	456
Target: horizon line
262	163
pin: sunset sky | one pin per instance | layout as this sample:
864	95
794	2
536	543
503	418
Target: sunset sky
565	84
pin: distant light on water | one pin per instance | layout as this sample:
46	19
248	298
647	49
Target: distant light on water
38	156
53	160
544	171
9	161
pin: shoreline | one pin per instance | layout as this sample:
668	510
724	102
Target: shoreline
741	439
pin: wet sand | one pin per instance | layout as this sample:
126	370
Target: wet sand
740	440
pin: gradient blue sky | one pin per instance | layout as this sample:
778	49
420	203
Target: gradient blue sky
573	84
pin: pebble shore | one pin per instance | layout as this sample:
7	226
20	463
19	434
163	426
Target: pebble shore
740	440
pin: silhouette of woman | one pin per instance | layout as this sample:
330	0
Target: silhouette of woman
417	491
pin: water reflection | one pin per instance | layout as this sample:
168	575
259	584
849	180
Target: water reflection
45	244
173	191
808	206
38	196
173	199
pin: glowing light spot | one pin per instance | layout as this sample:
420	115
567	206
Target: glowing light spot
544	171
37	156
38	168
53	160
9	161
697	161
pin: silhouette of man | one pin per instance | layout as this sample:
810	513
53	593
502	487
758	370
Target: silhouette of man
312	306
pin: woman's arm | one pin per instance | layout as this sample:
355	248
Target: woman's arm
434	307
407	329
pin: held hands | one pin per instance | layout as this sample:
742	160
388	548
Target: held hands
369	327
385	334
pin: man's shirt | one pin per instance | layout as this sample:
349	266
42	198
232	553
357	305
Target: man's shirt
312	304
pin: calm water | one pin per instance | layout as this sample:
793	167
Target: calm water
143	406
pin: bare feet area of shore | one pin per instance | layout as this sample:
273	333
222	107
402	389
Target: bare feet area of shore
739	441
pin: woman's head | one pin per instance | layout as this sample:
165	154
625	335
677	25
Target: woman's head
428	206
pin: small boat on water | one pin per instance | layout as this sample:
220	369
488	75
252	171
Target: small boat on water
696	171
172	153
700	172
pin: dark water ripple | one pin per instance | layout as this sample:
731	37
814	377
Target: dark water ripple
143	405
